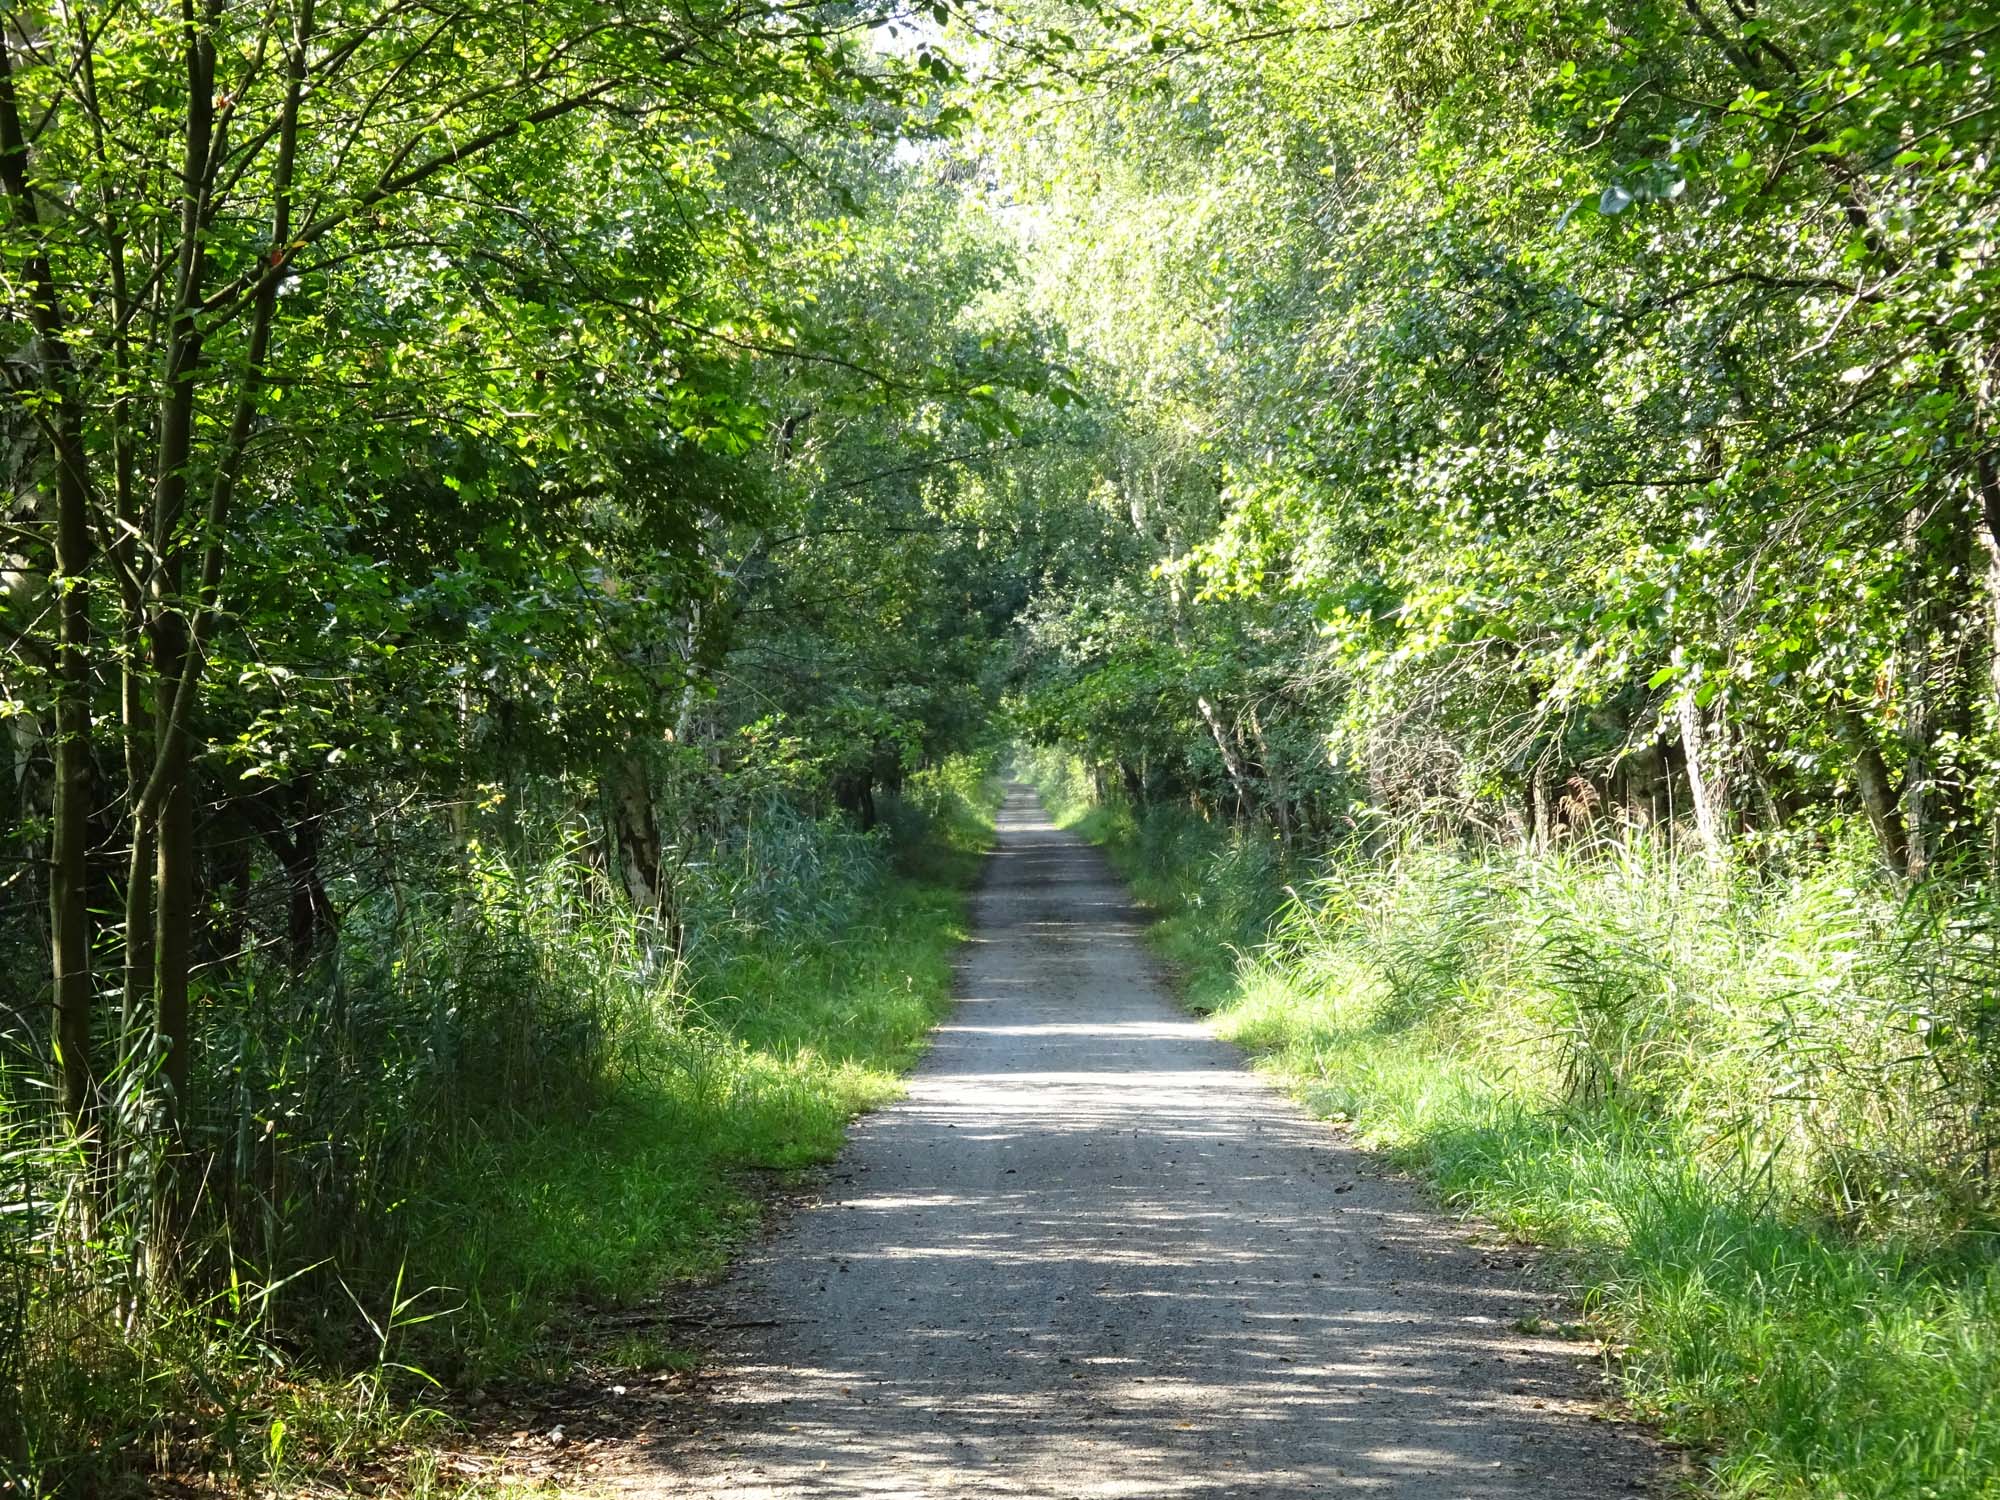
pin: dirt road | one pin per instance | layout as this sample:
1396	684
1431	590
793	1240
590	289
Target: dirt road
1093	1255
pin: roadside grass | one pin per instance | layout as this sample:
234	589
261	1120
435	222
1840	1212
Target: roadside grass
760	1070
1809	1329
526	1112
1805	1362
735	1071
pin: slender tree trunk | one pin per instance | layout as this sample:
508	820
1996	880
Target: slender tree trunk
1134	782
1645	770
1919	710
167	818
182	623
173	926
312	922
232	871
1542	802
1274	782
1877	790
174	659
1232	761
139	865
290	825
69	915
69	911
1757	770
1987	494
635	832
127	565
1988	481
1708	776
854	792
1944	645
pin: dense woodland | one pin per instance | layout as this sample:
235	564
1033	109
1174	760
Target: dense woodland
526	527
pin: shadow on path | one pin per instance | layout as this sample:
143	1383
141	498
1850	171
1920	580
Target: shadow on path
1093	1255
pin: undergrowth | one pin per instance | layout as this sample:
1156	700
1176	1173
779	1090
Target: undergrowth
1753	1110
756	1062
439	1152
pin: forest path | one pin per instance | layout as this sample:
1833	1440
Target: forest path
1092	1254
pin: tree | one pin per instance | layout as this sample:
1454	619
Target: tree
220	216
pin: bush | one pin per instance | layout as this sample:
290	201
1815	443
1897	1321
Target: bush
1813	1038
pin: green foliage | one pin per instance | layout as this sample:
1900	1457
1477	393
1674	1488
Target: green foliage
759	1064
514	522
500	513
1495	387
1541	663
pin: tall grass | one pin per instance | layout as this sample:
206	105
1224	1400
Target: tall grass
494	1106
1756	1109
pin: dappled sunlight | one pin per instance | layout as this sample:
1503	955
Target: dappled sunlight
1141	1030
1092	1255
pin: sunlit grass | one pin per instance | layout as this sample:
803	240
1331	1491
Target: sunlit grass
529	1111
1809	1363
781	1048
1603	1055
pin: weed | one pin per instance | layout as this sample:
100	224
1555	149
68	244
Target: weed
649	1354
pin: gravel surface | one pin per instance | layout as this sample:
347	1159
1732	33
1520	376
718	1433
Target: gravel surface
1094	1255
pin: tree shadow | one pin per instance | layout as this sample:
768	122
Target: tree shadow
1092	1254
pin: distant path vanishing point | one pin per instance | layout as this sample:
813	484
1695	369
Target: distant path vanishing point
1092	1254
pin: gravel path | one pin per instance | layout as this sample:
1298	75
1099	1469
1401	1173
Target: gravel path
1093	1255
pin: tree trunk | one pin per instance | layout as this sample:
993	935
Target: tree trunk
138	932
232	874
292	832
1134	782
173	925
1542	803
854	791
69	910
1877	790
175	660
1708	776
1938	717
1232	762
1274	783
1987	480
1644	772
312	921
635	833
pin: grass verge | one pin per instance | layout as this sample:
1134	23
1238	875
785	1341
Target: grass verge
1801	1354
749	1071
777	1050
488	1123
